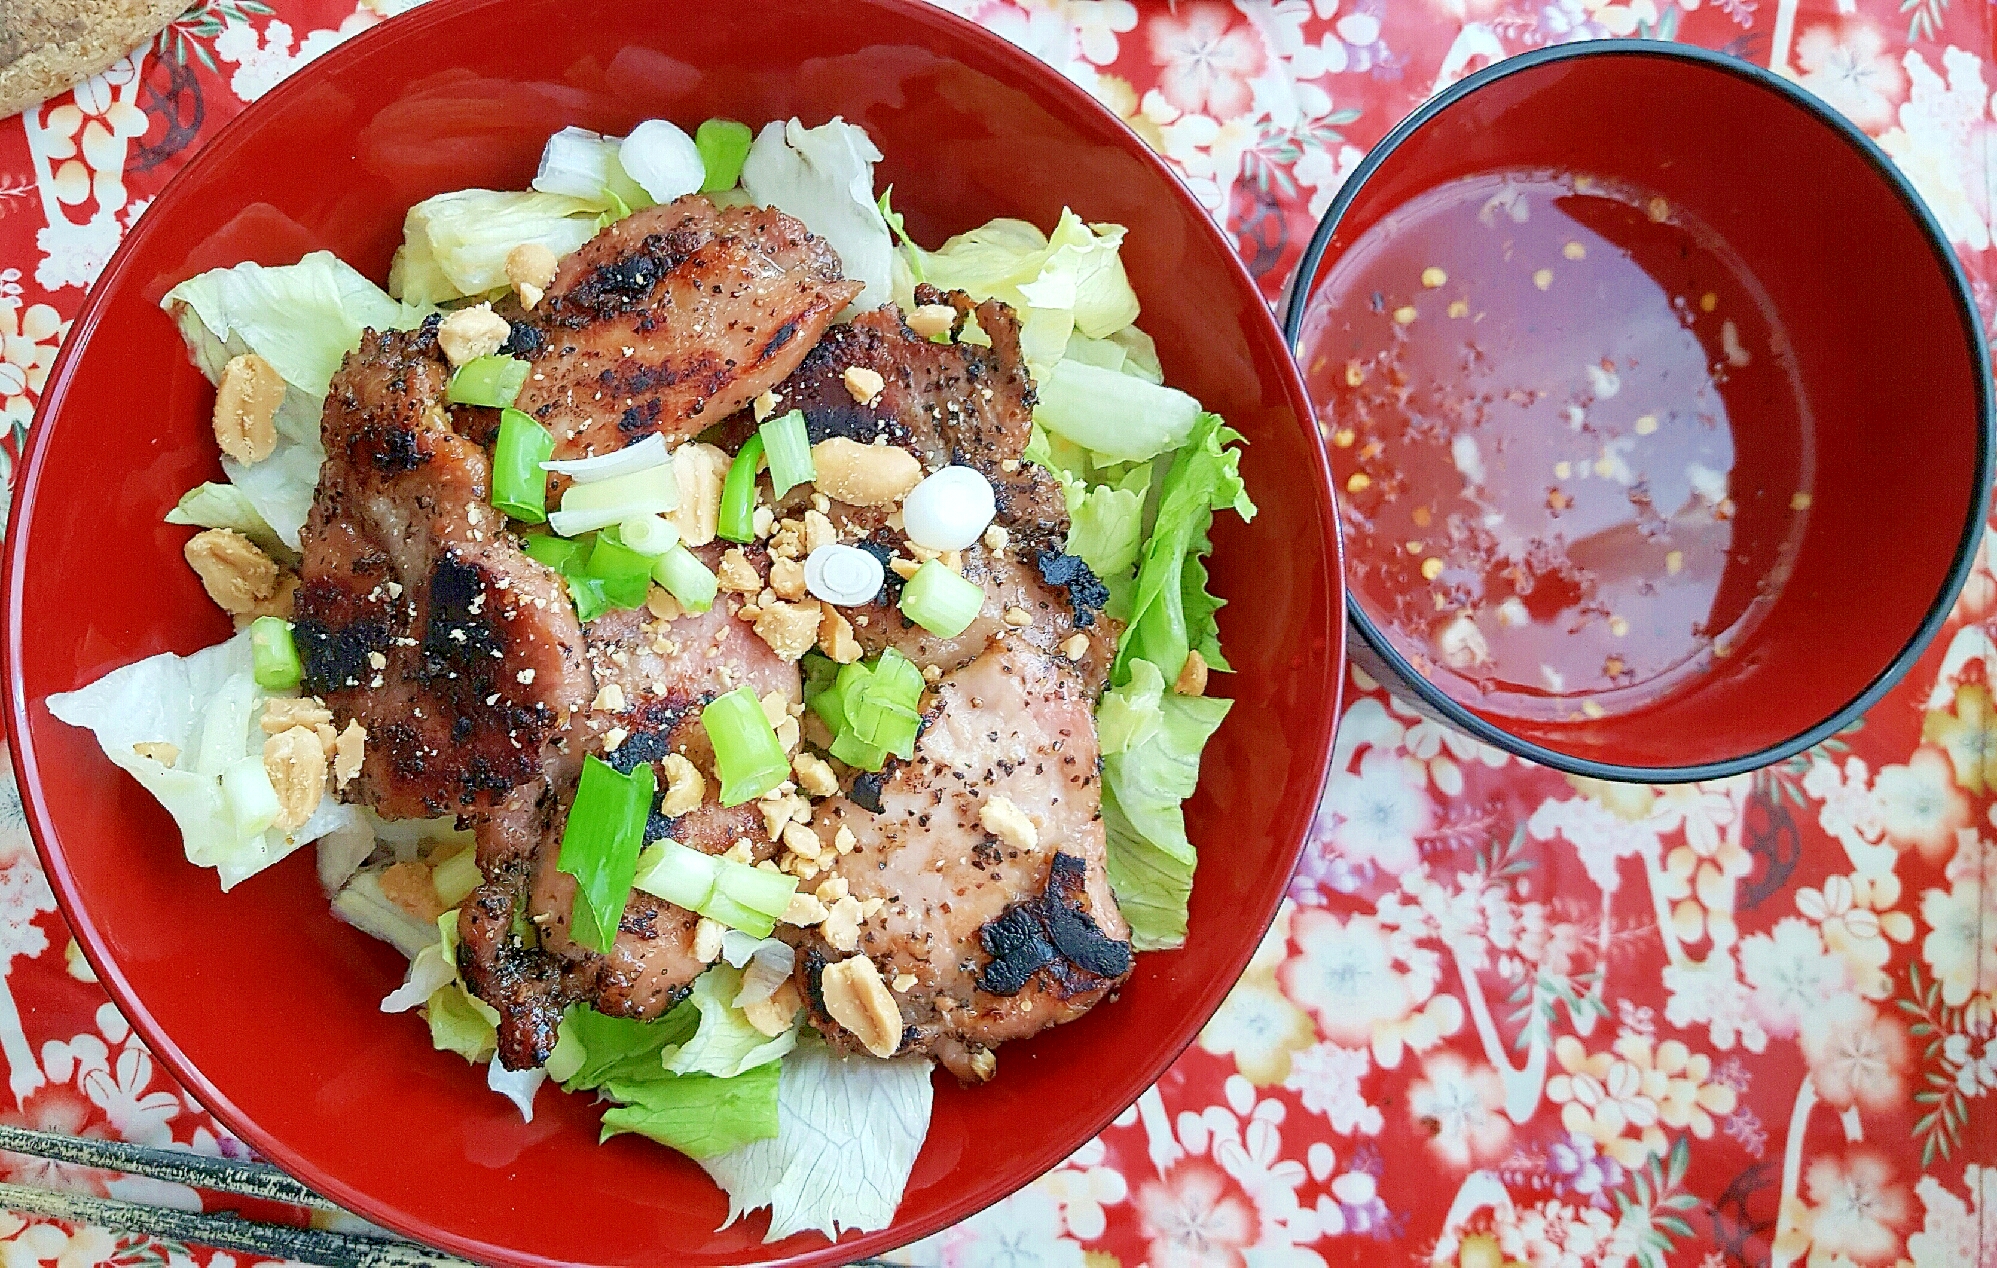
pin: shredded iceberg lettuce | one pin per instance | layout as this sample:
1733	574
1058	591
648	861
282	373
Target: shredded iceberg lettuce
212	505
847	1132
455	245
697	1114
280	488
206	706
363	904
302	318
825	177
1151	763
725	1044
1116	416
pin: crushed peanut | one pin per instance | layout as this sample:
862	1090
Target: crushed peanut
296	765
685	787
736	574
802	841
246	402
1076	647
281	713
471	333
1018	618
787	579
835	635
700	470
904	568
773	1016
841	926
707	940
859	1001
660	602
791	629
412	887
233	571
996	538
818	531
614	738
609	700
347	754
814	775
788	734
1192	680
1006	821
931	320
530	270
159	751
862	384
902	982
766	404
864	475
803	911
831	891
984	1064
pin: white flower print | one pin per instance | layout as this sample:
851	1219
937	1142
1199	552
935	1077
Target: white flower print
74	254
29	338
1023	1231
1082	1187
1379	811
1326	1078
1952	1231
1943	133
1854	72
1443	750
1961	946
1919	803
263	61
1851	812
1709	992
1460	1108
1601	837
85	137
1791	973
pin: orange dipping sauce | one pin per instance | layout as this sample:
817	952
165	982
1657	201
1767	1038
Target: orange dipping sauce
1529	380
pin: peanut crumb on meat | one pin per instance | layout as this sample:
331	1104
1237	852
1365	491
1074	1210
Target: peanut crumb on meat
766	404
737	575
707	940
413	887
835	635
233	571
1006	821
471	333
347	754
864	475
281	713
246	401
803	911
864	385
931	320
685	786
530	270
860	1002
1076	647
787	579
791	629
660	602
773	1016
814	775
609	700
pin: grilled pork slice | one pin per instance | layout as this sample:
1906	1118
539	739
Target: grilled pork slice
418	616
992	932
672	319
652	679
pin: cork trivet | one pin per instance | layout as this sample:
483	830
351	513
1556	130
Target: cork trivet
47	46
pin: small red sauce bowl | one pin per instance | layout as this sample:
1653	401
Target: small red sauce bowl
265	1006
1887	345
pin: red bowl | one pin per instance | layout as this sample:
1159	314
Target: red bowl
265	1006
1887	349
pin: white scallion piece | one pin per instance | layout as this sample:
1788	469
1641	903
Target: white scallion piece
588	507
576	161
647	453
663	160
843	576
950	509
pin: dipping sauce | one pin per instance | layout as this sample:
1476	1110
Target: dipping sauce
1570	441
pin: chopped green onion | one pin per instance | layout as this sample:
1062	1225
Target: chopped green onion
273	656
602	503
736	894
820	674
738	493
519	486
649	535
563	554
747	755
600	844
248	796
686	579
856	752
723	145
831	704
940	601
882	714
789	448
494	381
456	877
589	595
625	573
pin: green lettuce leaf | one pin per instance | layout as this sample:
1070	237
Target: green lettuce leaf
1171	611
622	1049
825	177
847	1132
1158	736
698	1114
461	1023
302	318
1117	417
725	1044
1106	521
455	245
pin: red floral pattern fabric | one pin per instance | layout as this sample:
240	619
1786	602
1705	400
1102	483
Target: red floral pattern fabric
1505	1017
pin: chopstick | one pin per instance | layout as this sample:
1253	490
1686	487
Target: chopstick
239	1177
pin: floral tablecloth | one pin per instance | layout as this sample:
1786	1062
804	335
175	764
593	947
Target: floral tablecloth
1504	1017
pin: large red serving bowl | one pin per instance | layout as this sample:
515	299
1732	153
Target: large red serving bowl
265	1006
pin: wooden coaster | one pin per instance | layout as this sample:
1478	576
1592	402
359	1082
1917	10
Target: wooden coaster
47	46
